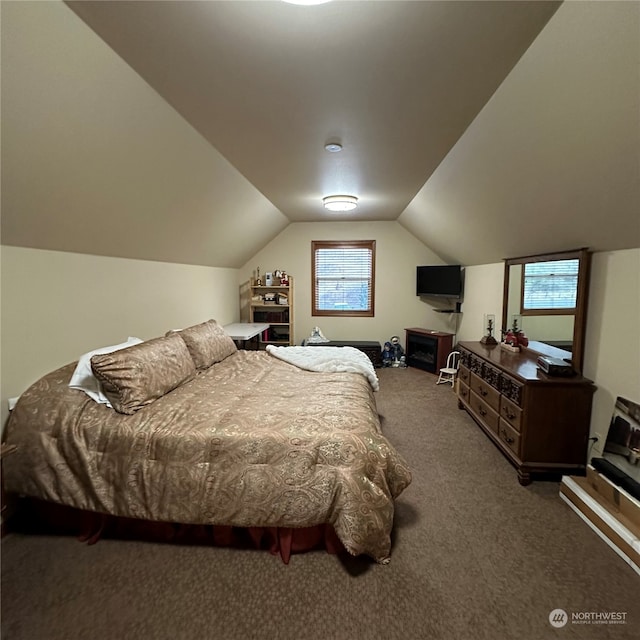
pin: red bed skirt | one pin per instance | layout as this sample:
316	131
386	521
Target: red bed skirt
37	516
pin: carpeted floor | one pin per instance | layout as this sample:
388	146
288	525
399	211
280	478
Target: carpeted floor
475	556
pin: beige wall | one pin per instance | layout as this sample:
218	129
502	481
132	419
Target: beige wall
397	255
482	296
612	350
56	306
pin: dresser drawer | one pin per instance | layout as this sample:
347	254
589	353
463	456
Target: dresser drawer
510	412
512	389
476	364
463	392
509	436
464	375
486	392
491	375
484	412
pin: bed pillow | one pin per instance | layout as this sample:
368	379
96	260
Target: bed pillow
83	378
134	377
207	343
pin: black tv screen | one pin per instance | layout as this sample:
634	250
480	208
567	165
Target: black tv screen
439	280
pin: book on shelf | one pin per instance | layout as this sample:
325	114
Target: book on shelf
271	316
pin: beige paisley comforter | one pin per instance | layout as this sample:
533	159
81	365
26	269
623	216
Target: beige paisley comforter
251	441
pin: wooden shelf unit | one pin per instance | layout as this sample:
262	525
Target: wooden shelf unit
279	316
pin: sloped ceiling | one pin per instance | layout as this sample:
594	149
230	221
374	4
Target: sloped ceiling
94	161
552	162
488	129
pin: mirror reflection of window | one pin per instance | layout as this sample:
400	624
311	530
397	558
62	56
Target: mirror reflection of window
549	292
550	286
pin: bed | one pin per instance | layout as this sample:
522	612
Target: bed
194	431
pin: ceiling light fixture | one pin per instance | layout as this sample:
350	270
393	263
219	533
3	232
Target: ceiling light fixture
340	203
333	147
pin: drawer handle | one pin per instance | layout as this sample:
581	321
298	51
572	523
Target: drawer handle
510	416
483	392
507	438
482	412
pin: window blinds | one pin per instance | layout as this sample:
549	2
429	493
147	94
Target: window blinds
550	285
343	277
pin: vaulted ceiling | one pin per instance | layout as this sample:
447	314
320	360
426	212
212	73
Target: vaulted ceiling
268	84
488	129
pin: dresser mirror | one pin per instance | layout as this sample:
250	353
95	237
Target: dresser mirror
547	296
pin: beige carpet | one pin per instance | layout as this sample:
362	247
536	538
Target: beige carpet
475	556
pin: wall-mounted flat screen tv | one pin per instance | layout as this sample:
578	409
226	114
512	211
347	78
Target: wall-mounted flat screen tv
440	280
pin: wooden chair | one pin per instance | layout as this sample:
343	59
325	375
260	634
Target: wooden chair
449	372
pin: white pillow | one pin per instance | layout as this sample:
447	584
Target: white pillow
83	378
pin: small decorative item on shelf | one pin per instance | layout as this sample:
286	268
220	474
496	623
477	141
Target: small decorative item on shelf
268	279
489	325
284	279
269	298
282	298
515	322
509	346
514	338
258	278
316	337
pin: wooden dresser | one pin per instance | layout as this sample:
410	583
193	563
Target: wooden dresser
540	423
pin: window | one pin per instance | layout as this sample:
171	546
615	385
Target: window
549	287
343	278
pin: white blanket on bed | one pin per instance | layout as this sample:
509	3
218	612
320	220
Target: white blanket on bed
328	359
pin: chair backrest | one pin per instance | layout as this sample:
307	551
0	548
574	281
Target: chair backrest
453	359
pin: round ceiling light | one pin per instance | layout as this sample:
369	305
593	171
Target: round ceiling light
340	203
333	147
